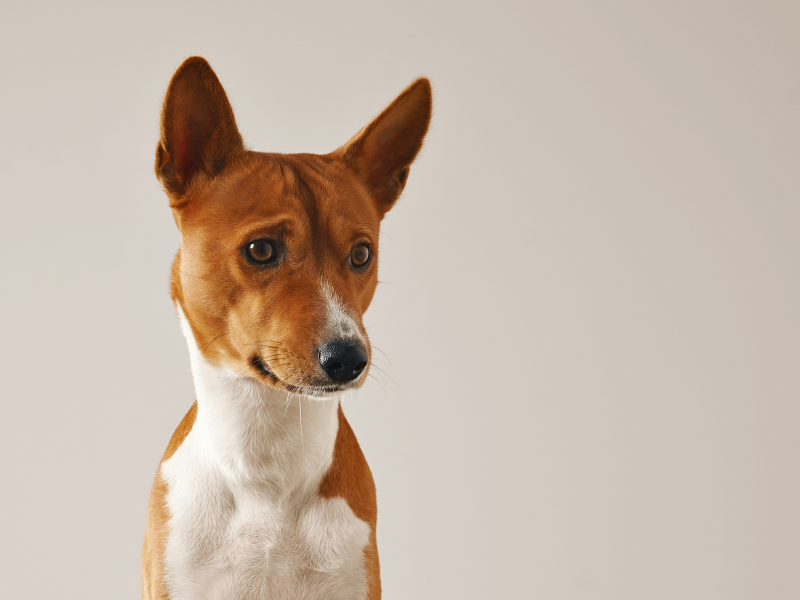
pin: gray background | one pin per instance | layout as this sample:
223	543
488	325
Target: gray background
590	298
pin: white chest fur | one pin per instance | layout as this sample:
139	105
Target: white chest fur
246	521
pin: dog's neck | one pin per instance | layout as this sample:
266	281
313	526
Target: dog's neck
263	439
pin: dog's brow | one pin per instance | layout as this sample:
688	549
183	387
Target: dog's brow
267	225
369	230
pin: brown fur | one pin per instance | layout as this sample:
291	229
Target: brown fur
153	587
349	477
317	207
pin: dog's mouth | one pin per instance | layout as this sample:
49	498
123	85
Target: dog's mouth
263	370
315	391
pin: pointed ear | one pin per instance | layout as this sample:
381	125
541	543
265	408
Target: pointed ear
381	153
198	131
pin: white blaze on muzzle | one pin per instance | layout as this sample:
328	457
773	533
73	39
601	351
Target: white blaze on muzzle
341	325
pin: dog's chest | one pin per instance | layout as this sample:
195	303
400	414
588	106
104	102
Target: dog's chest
236	542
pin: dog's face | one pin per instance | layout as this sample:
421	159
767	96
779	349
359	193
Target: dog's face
279	253
278	263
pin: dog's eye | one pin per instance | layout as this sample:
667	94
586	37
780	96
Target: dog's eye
261	251
360	255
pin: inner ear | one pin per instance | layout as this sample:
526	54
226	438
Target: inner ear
401	176
382	153
198	129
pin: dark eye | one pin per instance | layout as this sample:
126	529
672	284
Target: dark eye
360	255
261	251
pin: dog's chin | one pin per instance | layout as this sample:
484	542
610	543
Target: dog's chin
314	392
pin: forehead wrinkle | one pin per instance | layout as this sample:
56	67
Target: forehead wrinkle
258	182
299	176
269	191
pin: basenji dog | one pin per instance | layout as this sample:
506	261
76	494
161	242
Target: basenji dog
263	491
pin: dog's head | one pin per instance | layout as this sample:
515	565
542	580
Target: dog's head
279	252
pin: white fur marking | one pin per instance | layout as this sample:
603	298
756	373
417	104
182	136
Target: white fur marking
246	519
341	324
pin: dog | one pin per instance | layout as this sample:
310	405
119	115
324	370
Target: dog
263	491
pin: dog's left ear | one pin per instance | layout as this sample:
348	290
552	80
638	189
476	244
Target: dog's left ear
381	154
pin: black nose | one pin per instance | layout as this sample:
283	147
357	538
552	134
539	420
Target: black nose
343	361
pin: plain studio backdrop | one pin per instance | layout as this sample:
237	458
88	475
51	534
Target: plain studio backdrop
589	309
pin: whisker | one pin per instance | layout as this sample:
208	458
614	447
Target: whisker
379	383
385	374
382	352
203	351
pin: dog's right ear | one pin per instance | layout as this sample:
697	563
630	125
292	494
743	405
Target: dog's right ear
198	131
